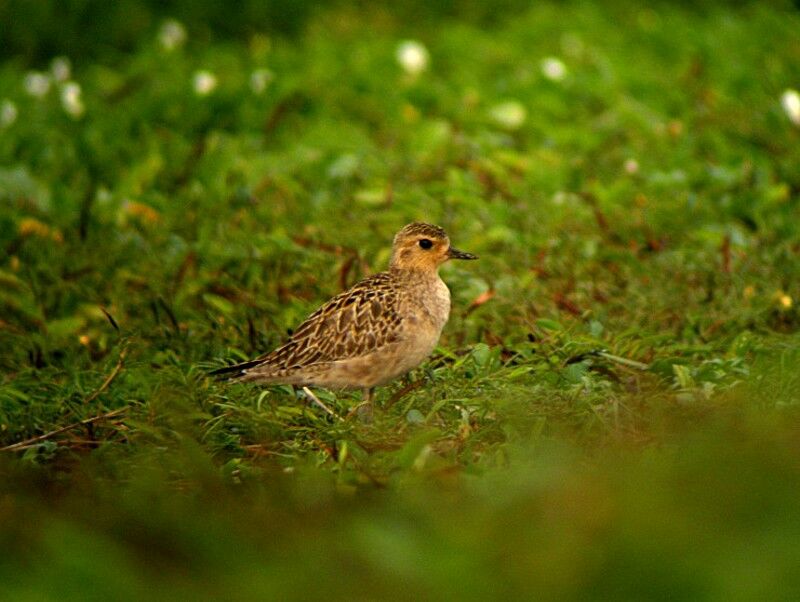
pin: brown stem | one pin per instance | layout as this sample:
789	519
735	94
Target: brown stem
34	440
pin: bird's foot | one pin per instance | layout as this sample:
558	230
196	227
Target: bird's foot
364	411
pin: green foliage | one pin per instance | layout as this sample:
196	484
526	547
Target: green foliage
612	410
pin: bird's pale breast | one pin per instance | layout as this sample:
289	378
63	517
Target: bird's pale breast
424	310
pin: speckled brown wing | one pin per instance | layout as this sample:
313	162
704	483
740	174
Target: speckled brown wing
352	324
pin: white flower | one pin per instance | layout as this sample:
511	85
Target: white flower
103	195
344	167
553	68
412	56
172	34
204	82
60	68
37	84
509	115
631	166
71	99
8	113
260	79
790	100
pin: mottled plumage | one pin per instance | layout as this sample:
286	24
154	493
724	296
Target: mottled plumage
377	330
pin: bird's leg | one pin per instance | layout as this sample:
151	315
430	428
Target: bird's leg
317	401
364	409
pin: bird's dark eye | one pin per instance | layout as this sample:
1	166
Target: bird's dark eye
425	243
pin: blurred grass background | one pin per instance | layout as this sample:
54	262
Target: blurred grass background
613	410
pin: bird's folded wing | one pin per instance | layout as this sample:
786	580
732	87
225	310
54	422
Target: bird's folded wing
354	323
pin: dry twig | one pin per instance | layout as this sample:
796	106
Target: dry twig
39	438
20	445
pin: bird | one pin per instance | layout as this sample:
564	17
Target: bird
372	333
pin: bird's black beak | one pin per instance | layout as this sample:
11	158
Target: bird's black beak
456	254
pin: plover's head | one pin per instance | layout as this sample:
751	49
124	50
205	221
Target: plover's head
421	246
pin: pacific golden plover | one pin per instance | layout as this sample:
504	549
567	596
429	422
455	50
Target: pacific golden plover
379	329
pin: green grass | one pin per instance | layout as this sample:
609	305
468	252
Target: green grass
612	412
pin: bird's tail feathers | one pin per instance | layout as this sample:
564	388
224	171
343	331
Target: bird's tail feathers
236	370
